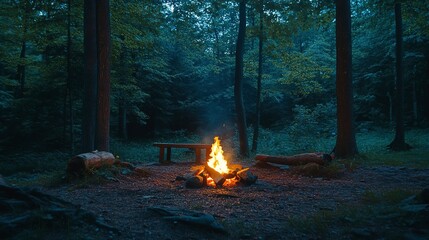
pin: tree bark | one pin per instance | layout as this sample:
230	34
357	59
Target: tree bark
122	102
81	163
90	76
20	73
69	85
103	94
346	142
259	83
238	84
398	143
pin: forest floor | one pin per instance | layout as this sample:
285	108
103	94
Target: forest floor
377	196
280	205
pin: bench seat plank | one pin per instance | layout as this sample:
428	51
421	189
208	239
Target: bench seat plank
195	146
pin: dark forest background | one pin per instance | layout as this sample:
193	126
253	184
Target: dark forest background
173	69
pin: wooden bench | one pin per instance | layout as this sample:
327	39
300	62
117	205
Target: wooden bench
195	146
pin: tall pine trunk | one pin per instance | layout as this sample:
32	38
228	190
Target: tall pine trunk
69	84
90	76
345	146
398	143
259	83
238	84
103	94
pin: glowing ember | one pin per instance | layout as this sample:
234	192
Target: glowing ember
217	161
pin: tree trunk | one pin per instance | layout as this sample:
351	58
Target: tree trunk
346	142
390	107
69	87
398	143
103	94
414	95
90	76
122	102
123	120
238	85
259	83
21	71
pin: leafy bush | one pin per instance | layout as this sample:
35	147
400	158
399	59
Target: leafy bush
310	124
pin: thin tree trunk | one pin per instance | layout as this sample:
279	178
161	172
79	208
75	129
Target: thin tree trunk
20	73
103	97
414	95
259	83
69	87
390	107
122	103
398	143
123	120
90	76
21	70
346	142
238	85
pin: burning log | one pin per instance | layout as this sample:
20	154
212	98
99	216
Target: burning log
81	163
217	177
299	159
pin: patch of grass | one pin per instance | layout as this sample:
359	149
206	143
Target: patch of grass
373	148
33	162
395	214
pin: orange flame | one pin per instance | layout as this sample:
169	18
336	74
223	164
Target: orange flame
217	161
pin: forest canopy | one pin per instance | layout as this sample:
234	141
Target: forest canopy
172	67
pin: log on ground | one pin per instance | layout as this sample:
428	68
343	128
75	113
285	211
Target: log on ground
81	163
299	159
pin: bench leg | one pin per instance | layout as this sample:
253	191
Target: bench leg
198	155
161	155
168	154
208	150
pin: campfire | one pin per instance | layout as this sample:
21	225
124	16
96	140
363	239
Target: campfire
217	173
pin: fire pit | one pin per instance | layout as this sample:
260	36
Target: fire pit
217	173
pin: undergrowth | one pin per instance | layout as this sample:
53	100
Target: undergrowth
48	168
395	214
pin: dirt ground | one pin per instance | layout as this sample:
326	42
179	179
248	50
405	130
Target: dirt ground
259	211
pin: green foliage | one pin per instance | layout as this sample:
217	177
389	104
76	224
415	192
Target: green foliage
311	124
173	65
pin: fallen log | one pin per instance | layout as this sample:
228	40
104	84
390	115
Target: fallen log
84	162
299	159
